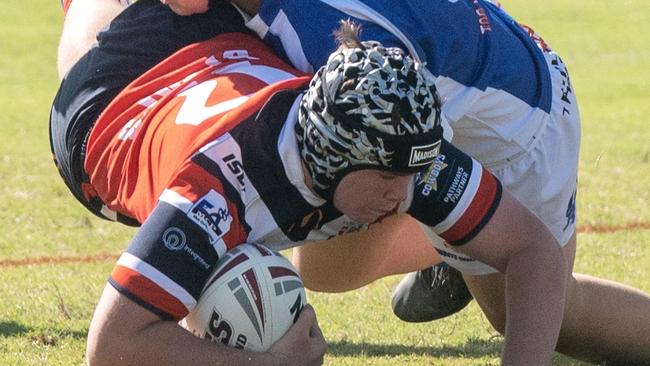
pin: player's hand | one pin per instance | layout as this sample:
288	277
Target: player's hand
303	344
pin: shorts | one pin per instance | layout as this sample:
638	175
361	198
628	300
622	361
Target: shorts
140	37
539	167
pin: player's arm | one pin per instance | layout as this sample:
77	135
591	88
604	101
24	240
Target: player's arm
158	279
84	19
125	333
469	209
517	244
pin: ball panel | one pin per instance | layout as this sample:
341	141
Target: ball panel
250	301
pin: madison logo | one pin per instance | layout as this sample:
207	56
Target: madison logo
211	213
423	155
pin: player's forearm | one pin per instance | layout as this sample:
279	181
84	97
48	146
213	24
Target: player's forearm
124	333
535	293
165	343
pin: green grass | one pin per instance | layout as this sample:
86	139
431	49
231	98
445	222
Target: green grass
45	309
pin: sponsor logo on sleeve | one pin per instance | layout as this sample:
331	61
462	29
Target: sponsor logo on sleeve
423	155
458	185
431	180
211	213
175	240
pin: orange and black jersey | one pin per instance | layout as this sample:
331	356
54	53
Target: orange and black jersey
227	171
200	150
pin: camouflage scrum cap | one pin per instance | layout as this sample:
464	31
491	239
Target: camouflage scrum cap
369	107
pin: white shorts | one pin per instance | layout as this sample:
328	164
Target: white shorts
539	166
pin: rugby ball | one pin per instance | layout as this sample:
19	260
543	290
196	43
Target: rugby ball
250	300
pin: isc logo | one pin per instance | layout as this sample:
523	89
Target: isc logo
237	169
220	330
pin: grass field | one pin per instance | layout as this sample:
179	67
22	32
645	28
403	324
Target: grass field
54	257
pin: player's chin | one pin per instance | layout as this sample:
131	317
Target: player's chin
368	217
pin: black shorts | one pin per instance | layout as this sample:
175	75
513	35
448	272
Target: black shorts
140	37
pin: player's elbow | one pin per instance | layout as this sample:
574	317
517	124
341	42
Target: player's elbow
102	347
109	342
118	332
94	355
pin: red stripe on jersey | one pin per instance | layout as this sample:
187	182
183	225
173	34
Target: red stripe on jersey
149	292
480	210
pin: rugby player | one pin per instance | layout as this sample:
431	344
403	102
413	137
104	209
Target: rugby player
191	129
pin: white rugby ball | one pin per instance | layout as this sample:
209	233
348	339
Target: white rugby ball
251	299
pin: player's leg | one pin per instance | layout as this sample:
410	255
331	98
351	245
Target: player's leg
83	20
603	320
606	320
396	245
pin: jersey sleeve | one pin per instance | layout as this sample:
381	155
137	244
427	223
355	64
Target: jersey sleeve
175	250
456	197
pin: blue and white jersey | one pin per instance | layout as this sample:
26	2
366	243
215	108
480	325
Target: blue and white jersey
490	71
